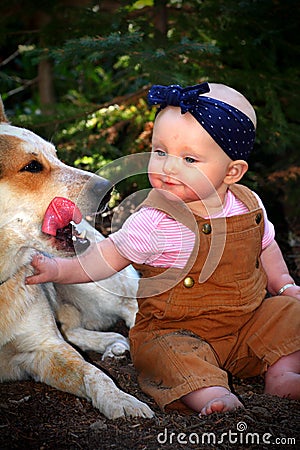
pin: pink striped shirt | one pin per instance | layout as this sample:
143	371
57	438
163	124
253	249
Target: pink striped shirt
150	236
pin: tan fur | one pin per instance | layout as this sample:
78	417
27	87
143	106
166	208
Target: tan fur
30	343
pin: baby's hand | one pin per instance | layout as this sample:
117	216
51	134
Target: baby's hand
46	269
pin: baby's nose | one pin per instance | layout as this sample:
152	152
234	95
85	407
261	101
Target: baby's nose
171	165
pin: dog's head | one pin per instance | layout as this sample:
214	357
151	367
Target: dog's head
31	175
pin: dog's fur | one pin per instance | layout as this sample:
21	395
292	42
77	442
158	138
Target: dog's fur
31	345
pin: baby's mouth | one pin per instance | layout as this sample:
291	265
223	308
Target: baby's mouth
171	181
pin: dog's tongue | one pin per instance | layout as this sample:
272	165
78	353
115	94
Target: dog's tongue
60	212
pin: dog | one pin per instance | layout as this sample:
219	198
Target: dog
31	344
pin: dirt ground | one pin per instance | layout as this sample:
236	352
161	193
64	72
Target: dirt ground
36	416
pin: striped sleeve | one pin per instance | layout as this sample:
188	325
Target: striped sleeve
139	239
152	237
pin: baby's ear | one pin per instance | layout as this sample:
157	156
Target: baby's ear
235	171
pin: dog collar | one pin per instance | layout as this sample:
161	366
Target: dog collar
4	281
7	279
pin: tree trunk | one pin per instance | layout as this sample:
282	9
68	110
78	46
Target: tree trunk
45	83
160	17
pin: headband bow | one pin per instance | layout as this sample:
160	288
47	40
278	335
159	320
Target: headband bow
175	95
230	128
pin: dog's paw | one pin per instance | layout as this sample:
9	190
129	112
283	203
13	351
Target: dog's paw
128	406
109	399
116	350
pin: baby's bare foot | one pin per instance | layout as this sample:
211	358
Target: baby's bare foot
228	402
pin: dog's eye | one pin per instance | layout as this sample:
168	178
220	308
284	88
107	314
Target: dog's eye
33	167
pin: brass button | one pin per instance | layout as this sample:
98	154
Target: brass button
258	218
188	282
206	228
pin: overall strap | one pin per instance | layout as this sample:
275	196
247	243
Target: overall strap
245	195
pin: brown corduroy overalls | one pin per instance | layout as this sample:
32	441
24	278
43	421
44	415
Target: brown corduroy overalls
189	336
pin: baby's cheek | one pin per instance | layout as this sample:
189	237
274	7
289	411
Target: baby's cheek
154	181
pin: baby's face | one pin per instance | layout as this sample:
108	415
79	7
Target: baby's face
185	160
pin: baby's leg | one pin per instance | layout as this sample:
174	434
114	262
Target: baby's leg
211	399
283	377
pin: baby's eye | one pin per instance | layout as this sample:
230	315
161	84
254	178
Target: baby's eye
160	152
190	160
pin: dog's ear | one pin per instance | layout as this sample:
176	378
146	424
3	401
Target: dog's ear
3	117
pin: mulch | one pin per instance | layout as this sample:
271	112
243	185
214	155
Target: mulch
36	416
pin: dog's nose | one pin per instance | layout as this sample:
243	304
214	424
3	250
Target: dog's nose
101	186
99	190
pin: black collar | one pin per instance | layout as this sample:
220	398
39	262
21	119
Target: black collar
4	281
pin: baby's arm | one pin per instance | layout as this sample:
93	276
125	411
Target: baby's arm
98	262
277	272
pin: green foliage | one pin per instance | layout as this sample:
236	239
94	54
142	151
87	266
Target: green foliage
104	60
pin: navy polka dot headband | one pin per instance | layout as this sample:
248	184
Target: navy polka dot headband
230	128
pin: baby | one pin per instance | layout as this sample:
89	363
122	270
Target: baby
208	257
